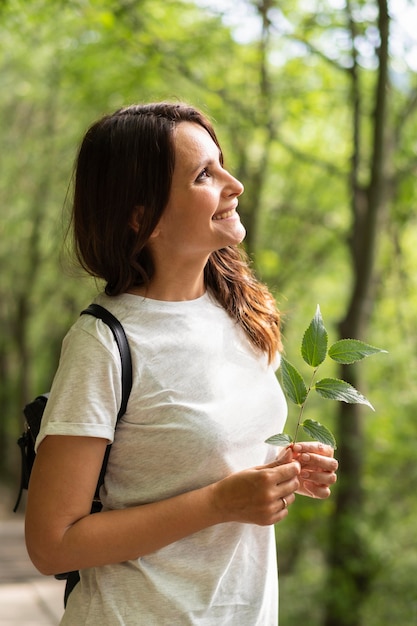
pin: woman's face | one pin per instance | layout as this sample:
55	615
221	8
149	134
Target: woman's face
200	216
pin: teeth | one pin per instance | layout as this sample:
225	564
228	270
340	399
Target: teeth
223	216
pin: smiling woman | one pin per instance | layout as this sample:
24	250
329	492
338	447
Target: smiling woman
191	491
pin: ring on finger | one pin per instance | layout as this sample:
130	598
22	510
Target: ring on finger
285	503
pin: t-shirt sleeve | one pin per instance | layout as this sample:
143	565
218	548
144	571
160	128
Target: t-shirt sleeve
86	392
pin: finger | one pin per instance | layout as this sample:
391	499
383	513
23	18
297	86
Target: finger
287	500
285	455
282	459
318	462
283	503
319	478
286	472
286	491
315	447
280	514
316	491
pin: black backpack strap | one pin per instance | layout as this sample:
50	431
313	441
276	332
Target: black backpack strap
26	442
120	336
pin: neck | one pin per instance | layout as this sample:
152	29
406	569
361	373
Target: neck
172	287
177	277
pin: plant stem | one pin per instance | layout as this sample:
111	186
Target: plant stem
303	405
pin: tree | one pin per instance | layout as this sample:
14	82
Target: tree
371	181
319	124
352	564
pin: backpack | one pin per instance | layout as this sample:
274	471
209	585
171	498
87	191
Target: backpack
33	416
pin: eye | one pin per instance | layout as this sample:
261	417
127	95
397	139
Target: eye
202	175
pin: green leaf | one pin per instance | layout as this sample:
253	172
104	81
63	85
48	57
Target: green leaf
319	432
314	344
351	350
293	383
335	389
279	440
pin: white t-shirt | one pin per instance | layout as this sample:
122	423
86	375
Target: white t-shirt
202	404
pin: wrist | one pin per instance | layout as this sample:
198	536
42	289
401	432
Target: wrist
216	503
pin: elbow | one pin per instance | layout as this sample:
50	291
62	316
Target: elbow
42	561
44	568
44	557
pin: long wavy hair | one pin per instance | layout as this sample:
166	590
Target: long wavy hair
126	160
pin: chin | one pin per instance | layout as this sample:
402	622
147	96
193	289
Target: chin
241	235
232	239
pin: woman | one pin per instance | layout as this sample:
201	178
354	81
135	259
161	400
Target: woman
191	491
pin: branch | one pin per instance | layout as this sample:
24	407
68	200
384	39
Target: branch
408	109
317	52
328	166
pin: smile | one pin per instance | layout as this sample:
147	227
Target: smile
224	216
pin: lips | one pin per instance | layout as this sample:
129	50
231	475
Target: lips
224	216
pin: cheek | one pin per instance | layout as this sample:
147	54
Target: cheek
191	209
207	198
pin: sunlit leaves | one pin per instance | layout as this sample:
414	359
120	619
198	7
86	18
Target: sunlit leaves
293	383
348	351
314	352
281	440
313	429
314	344
319	432
335	389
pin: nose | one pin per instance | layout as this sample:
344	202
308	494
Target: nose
233	186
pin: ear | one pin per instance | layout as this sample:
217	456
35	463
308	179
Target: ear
136	221
136	218
156	231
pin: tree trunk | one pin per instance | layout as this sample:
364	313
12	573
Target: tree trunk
351	564
254	175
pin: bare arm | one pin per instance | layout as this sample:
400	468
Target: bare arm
62	536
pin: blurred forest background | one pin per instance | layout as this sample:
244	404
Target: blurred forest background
315	103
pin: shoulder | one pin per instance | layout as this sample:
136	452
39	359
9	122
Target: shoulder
88	334
276	362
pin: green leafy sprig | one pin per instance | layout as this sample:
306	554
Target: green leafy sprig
314	350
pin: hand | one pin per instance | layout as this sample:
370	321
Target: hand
256	495
318	468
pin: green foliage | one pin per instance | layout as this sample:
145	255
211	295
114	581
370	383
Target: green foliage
65	63
314	343
314	352
335	389
293	383
347	351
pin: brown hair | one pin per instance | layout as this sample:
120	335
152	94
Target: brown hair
126	160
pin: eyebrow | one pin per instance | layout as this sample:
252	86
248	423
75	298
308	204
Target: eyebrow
204	163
